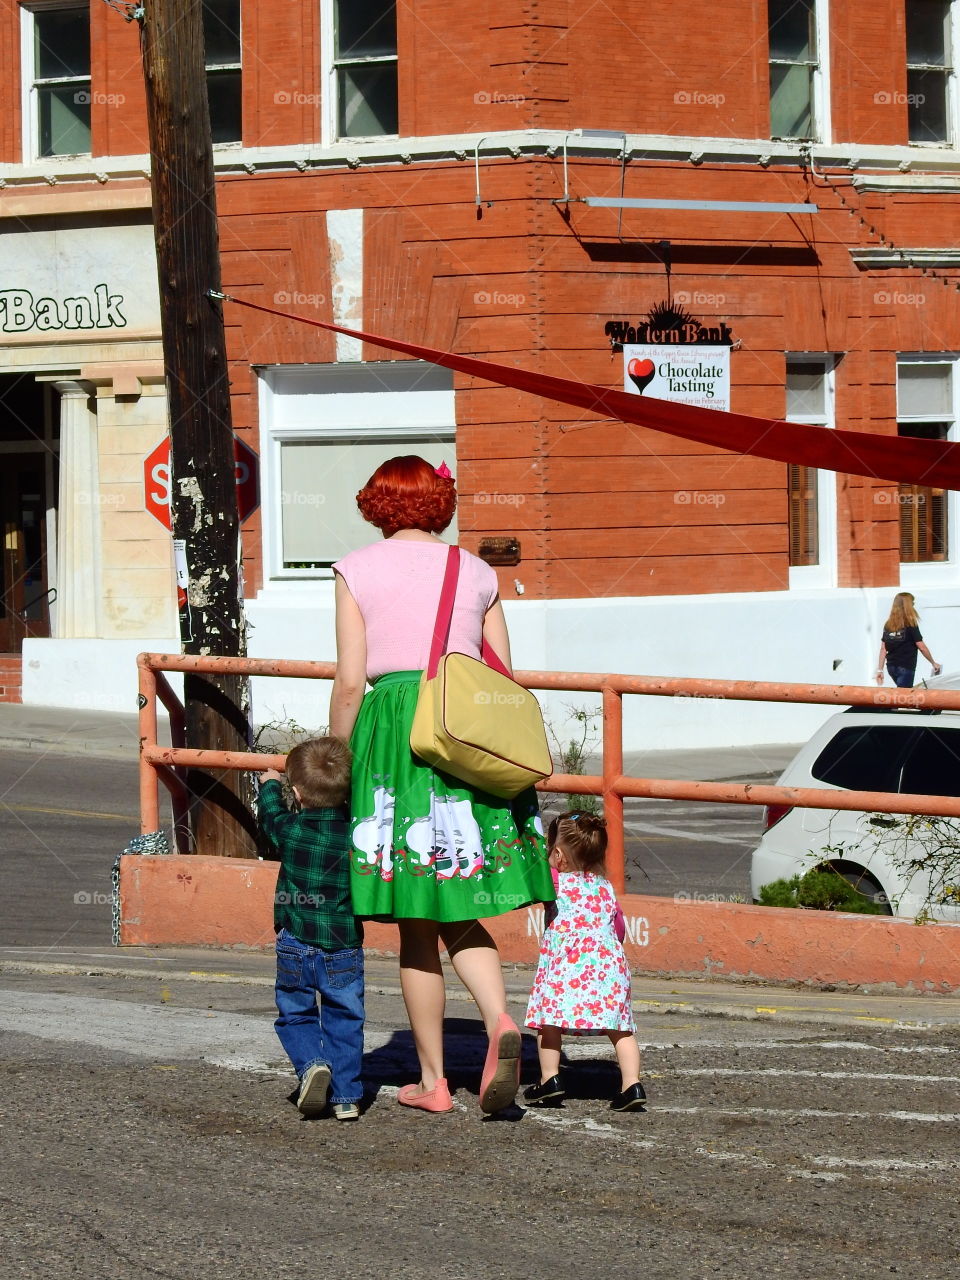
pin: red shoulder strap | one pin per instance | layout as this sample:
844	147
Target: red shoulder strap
441	628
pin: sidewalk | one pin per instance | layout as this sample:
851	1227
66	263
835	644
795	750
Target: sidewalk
115	736
652	996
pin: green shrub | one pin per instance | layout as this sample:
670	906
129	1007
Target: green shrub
819	889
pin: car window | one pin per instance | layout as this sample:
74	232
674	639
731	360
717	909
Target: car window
901	758
932	767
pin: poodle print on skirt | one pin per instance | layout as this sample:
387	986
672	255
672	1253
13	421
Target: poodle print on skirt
425	845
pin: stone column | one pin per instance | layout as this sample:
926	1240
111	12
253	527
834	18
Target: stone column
78	515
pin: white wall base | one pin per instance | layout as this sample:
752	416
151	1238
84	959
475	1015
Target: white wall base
92	675
817	637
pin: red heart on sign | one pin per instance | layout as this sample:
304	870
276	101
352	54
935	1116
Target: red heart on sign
642	373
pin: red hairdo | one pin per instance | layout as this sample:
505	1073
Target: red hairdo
407	493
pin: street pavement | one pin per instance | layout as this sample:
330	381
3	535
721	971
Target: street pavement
147	1127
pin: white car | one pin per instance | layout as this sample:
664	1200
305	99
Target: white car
865	749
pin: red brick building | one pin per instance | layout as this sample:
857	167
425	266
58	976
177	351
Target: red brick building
432	173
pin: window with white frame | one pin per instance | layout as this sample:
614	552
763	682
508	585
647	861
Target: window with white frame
56	63
326	429
926	410
797	33
221	42
365	68
929	70
811	492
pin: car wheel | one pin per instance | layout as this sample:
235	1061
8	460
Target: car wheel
864	883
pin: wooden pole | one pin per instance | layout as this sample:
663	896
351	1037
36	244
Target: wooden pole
206	527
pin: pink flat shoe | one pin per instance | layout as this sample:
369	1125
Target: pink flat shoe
501	1070
436	1099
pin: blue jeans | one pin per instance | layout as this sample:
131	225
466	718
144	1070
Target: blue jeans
902	677
332	1034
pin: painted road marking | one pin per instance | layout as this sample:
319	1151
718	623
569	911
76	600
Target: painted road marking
681	833
69	813
815	1075
811	1113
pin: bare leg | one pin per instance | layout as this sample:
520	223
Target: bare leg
628	1057
549	1044
476	962
421	980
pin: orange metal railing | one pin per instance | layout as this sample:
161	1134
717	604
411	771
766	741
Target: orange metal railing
160	764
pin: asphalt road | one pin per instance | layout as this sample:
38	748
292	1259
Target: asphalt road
64	819
147	1130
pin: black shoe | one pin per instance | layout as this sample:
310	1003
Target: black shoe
549	1094
632	1099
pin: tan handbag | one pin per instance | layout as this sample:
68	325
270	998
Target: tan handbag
472	719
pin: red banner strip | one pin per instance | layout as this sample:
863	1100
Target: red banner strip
900	459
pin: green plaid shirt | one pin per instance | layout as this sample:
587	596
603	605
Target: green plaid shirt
313	887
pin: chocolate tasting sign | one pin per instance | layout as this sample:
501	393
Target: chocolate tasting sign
672	356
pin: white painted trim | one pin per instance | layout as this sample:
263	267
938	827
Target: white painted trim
328	76
940	573
374	417
824	574
518	143
821	76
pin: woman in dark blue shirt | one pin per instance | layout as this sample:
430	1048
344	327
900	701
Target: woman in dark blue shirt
901	642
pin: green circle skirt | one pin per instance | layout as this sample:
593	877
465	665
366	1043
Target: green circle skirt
425	845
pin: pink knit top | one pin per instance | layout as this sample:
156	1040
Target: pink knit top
397	588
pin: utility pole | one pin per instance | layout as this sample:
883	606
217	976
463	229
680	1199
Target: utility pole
206	527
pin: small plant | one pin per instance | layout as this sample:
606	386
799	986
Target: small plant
819	889
925	851
570	754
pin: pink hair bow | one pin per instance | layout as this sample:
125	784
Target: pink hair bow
444	471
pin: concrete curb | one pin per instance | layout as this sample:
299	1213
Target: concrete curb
193	900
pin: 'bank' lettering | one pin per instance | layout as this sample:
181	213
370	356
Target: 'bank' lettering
19	312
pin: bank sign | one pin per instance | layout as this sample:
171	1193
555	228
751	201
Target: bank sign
687	373
80	282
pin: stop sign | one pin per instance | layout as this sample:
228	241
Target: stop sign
156	481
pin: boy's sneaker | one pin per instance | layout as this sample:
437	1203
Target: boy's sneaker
346	1111
314	1087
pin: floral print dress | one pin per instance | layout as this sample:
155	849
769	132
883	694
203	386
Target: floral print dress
583	981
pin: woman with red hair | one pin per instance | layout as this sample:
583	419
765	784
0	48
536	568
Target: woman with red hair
428	851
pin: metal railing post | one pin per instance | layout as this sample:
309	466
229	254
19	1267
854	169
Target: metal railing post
149	782
612	773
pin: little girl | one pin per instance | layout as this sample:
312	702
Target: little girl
583	982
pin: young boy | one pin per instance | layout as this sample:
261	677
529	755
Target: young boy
319	940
